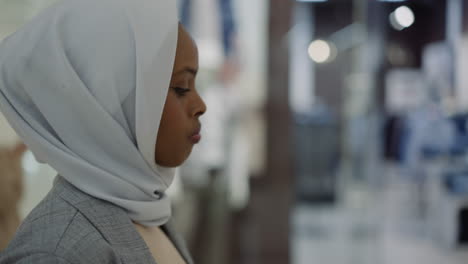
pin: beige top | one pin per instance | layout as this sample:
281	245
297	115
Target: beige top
160	246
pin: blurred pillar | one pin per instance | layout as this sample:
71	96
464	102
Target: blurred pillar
454	29
302	69
265	231
465	19
11	190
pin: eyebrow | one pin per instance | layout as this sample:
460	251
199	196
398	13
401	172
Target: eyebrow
188	69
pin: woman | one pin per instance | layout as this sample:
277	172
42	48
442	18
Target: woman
103	91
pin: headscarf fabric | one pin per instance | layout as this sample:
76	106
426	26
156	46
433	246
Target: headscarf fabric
84	85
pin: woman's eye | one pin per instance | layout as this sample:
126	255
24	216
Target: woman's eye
180	91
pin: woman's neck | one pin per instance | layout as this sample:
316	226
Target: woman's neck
160	246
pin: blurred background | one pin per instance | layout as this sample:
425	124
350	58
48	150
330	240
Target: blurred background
336	133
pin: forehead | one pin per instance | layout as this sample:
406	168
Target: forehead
187	51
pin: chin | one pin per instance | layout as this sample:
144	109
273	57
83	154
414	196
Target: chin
174	160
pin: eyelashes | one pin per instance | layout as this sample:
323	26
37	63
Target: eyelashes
180	92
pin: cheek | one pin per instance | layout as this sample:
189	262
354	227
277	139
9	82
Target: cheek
173	118
172	145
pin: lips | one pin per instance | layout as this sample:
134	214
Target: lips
196	137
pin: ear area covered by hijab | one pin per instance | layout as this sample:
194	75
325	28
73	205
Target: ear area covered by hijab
84	85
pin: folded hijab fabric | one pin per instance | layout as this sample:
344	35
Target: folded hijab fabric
84	85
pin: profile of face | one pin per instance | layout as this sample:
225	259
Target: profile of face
180	126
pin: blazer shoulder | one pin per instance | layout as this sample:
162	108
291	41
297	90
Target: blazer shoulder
56	228
38	258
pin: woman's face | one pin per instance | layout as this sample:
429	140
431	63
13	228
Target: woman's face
180	126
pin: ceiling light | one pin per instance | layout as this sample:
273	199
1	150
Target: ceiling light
321	51
402	18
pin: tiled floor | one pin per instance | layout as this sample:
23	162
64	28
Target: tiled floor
377	228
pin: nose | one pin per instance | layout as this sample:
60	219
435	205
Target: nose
200	106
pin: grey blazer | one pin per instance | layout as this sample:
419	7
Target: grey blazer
70	226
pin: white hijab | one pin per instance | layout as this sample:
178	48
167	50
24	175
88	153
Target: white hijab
84	85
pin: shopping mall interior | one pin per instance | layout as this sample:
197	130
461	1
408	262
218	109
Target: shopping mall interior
336	132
